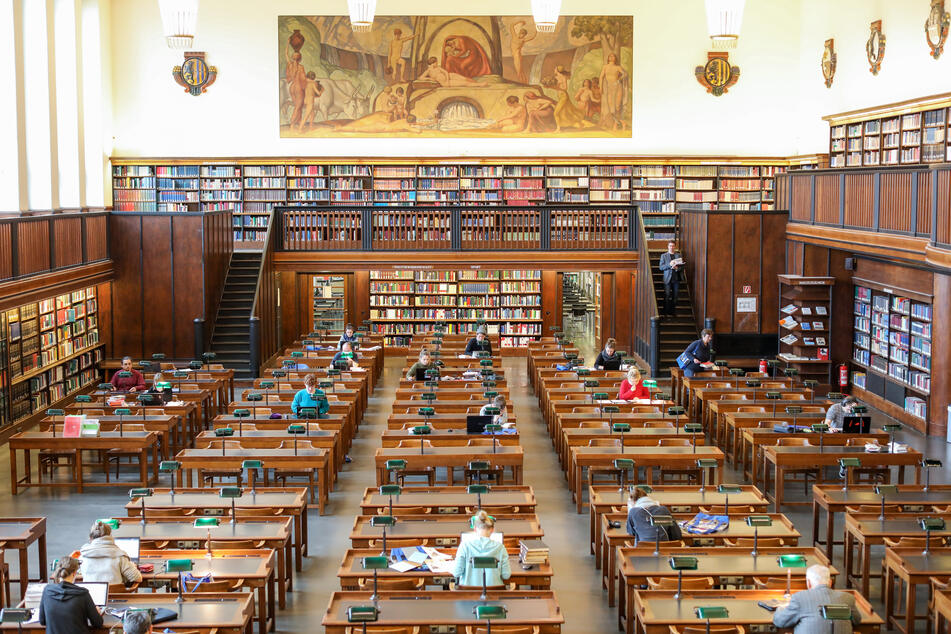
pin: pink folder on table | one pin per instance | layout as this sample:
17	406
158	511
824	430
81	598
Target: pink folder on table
72	426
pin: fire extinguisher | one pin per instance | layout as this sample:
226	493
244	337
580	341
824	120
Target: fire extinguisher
843	375
762	365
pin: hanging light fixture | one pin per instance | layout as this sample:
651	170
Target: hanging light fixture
545	13
179	18
361	14
724	18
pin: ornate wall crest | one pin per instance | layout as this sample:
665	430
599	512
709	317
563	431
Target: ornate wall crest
828	62
195	74
936	27
875	47
717	75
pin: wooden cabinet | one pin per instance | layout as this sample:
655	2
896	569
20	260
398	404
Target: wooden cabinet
805	315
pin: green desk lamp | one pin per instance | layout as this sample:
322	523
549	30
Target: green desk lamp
756	521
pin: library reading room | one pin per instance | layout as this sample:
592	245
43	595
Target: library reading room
298	330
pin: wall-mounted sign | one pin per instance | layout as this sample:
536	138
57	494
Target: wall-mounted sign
875	47
747	289
936	27
195	74
717	75
746	304
828	62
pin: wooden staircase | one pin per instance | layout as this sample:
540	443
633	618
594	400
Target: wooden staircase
678	332
231	338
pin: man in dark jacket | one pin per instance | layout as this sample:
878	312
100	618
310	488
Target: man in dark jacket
479	343
639	514
671	278
699	354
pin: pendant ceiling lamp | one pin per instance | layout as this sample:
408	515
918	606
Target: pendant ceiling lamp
361	14
545	13
724	18
179	18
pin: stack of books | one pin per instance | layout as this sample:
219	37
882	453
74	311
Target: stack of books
533	551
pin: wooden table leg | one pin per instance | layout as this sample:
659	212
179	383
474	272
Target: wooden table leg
24	570
830	531
578	470
866	559
41	555
780	478
889	595
79	470
144	467
13	471
271	611
911	591
847	559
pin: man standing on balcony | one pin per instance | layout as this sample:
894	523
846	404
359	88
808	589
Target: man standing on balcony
670	263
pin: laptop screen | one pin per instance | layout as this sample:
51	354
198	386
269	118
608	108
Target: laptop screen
129	545
99	591
475	424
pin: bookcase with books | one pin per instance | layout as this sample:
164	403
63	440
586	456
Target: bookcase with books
351	185
404	303
891	348
307	185
48	350
909	133
524	184
220	188
653	188
805	323
696	187
437	184
264	187
740	188
177	187
567	183
480	184
610	183
394	185
133	188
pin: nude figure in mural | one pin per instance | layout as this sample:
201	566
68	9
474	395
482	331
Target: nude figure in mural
444	78
514	119
312	90
519	37
395	63
612	93
296	79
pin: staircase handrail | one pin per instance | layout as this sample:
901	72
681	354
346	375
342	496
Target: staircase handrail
268	247
644	255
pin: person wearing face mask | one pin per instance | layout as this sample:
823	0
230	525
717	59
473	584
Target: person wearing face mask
639	513
308	397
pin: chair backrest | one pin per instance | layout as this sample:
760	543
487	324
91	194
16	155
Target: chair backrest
916	542
401	583
793	442
501	629
645	409
793	396
733	397
719	384
673	442
768	385
404	510
604	442
593	424
496	509
474	410
763	542
779	583
398	543
576	397
209	586
751	408
236	544
584	410
720	509
659	424
227	444
689	583
813	409
175	511
414	444
480	442
714	629
863	508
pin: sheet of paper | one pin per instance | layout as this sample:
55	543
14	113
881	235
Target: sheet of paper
403	566
441	566
419	557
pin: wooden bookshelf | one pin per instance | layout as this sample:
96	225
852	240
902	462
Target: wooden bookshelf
480	184
524	184
610	183
48	350
133	188
176	187
220	188
891	347
404	303
394	185
805	313
437	185
307	185
351	185
264	187
567	184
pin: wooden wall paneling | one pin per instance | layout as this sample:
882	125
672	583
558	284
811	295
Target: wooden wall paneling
773	241
827	198
745	270
896	206
941	356
159	273
33	246
106	325
359	301
217	244
923	208
624	284
6	249
693	247
188	285
551	301
608	301
815	260
896	276
719	275
67	240
859	198
126	245
943	227
97	242
841	322
801	208
296	320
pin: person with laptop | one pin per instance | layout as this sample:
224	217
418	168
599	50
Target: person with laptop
479	343
836	414
66	608
134	383
103	560
803	613
608	359
481	545
502	418
417	371
161	390
308	397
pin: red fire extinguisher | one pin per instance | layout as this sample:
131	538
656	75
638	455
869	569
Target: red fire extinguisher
843	375
762	365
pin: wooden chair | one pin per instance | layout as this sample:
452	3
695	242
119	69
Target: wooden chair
719	384
585	410
805	472
498	510
593	424
414	444
283	475
115	588
756	409
792	396
645	409
714	629
763	542
405	510
211	586
237	544
605	442
733	397
868	475
910	542
813	409
403	583
495	474
864	508
779	583
397	543
938	584
481	442
208	475
116	455
384	629
689	583
659	424
689	475
502	629
674	442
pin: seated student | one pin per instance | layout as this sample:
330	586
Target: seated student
481	546
803	613
349	336
139	622
134	383
102	560
639	513
838	411
608	359
425	363
698	354
308	397
66	608
479	343
160	395
347	354
502	418
633	386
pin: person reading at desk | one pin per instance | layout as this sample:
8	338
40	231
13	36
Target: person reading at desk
803	613
161	391
425	363
347	354
502	418
696	358
349	336
134	383
608	359
479	343
633	386
102	560
482	545
308	397
66	608
836	414
639	513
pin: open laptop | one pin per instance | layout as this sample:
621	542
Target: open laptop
421	374
475	423
98	590
130	546
856	424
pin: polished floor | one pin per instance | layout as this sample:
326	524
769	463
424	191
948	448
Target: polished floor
576	581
